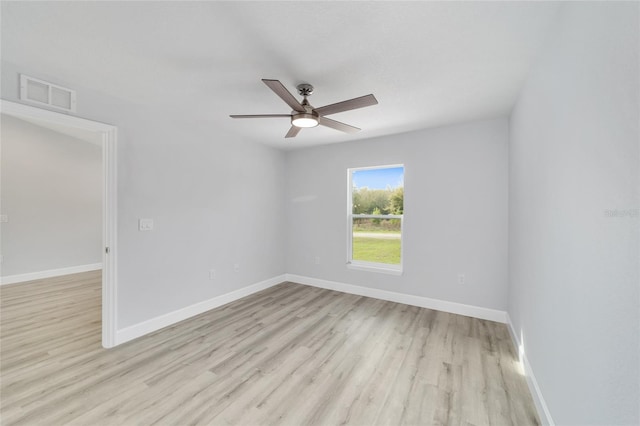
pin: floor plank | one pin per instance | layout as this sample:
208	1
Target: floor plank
289	355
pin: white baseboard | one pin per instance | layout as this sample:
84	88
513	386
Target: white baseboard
541	405
162	321
12	279
407	299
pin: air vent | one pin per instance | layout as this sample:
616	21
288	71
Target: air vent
45	93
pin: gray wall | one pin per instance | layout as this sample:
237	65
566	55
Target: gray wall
52	193
216	201
455	211
574	282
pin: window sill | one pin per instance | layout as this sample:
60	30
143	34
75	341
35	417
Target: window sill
372	268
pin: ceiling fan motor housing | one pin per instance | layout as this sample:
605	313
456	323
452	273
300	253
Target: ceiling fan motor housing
309	118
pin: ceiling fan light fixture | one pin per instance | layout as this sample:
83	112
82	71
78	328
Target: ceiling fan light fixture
304	120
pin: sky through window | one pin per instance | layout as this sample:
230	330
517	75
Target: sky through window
392	177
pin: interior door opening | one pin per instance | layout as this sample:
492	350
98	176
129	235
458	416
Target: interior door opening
105	136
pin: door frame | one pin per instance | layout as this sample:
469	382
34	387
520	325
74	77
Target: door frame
109	136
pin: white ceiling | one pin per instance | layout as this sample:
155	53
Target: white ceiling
428	63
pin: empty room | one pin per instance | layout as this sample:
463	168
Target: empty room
320	213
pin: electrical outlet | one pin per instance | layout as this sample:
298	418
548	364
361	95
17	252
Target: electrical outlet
236	267
212	274
317	260
461	279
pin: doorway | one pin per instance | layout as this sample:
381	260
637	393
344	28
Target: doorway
106	136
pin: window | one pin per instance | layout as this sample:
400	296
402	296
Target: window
375	211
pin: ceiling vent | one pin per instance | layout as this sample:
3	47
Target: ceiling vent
45	93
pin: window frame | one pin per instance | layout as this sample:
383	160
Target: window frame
386	268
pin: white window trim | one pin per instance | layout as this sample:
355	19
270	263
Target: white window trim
384	268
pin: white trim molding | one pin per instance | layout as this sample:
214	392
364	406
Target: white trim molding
162	321
21	278
110	236
541	405
407	299
149	326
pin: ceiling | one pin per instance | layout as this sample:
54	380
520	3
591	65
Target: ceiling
428	63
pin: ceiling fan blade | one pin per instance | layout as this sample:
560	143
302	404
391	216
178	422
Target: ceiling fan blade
293	131
284	94
338	125
355	103
260	116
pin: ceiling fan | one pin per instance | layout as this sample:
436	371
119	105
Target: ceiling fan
305	115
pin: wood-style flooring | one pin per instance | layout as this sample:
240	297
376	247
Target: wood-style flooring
291	354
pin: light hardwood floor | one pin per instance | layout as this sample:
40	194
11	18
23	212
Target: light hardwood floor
291	354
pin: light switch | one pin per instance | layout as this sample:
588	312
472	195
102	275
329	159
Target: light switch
4	218
145	224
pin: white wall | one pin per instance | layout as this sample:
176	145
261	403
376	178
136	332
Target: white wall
216	200
52	194
455	212
574	281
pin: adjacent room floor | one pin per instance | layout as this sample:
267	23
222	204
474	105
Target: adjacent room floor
291	354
